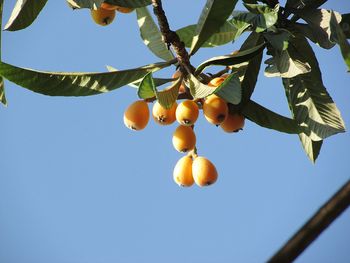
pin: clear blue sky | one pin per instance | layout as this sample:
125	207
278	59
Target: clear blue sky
77	186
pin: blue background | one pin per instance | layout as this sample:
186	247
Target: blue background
77	186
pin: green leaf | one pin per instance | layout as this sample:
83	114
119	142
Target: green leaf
251	72
269	119
151	35
227	33
166	97
339	37
260	17
136	84
279	39
319	21
318	36
232	59
311	148
302	4
309	101
345	24
146	87
24	13
93	4
213	16
230	90
74	83
2	92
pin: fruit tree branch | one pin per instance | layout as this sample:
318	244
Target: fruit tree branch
314	227
171	38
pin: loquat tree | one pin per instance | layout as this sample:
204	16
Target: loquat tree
281	33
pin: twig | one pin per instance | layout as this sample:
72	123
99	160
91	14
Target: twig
171	38
314	227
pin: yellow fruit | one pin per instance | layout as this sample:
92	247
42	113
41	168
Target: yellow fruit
215	109
162	115
204	172
136	115
109	6
102	16
183	172
187	112
177	74
124	10
184	139
233	123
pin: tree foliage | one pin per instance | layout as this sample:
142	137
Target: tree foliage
281	33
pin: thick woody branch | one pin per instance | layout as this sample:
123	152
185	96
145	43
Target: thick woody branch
172	39
314	227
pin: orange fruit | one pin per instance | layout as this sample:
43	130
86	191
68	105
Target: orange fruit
162	115
184	138
215	109
183	172
187	112
102	16
233	123
136	115
204	172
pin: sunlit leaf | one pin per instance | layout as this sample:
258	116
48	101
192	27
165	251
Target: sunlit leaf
319	21
146	87
269	119
311	148
227	33
74	84
213	16
230	90
24	14
260	17
151	35
228	60
309	101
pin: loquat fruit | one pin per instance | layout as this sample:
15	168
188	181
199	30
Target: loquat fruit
136	115
215	109
233	123
216	82
204	172
102	16
108	6
124	10
184	138
183	172
187	112
162	115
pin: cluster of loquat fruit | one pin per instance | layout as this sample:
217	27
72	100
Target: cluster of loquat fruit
191	168
105	14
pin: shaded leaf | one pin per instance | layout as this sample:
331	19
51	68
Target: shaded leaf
260	17
146	87
130	3
166	97
251	73
338	36
302	4
213	16
269	119
230	90
311	148
151	35
74	84
309	101
345	24
227	33
228	60
24	13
